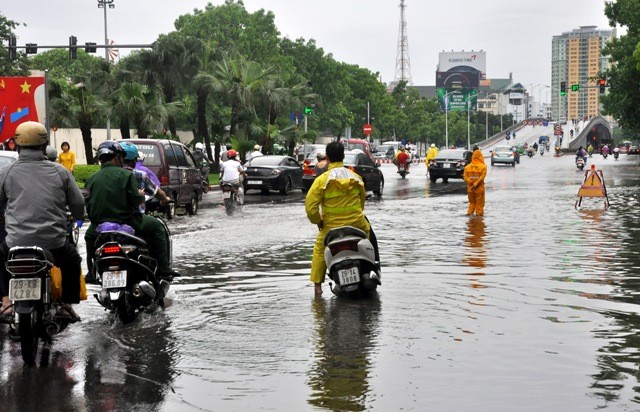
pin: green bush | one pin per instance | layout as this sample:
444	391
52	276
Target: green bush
82	173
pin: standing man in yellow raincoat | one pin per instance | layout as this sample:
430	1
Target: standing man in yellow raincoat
431	154
474	174
336	198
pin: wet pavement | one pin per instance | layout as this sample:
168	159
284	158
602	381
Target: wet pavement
532	307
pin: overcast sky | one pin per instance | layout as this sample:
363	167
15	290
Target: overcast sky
515	34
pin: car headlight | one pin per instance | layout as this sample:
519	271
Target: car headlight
275	172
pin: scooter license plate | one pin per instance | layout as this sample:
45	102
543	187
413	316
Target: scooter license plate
226	195
25	289
401	168
349	276
114	279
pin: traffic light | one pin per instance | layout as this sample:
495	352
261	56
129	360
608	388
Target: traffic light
90	47
12	48
563	88
73	51
575	87
602	83
32	48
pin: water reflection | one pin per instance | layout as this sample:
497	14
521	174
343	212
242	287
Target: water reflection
475	254
346	336
130	365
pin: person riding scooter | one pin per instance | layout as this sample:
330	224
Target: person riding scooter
616	153
590	149
581	153
605	151
404	159
231	172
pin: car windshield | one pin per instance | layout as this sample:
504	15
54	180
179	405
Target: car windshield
382	149
502	149
451	154
353	146
349	158
266	161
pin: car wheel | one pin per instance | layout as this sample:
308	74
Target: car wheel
513	164
287	187
433	179
380	189
445	180
192	207
491	163
170	209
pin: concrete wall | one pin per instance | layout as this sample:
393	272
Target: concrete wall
74	137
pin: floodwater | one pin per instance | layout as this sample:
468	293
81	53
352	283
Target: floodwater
531	308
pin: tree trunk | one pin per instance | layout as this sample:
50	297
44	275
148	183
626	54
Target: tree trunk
88	143
203	130
124	127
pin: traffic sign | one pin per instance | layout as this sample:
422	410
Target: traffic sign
367	129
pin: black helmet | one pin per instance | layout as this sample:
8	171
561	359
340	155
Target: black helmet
110	147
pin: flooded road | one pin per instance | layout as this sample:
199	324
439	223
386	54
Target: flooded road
531	308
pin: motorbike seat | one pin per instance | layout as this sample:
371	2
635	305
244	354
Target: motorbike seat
343	231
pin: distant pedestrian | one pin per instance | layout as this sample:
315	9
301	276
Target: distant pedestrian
474	174
10	145
67	158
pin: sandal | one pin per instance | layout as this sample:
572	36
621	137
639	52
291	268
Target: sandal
66	312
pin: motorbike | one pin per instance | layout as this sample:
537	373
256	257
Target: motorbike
127	272
350	259
541	150
204	170
530	152
153	207
231	198
580	162
73	230
558	150
604	155
37	318
403	169
616	155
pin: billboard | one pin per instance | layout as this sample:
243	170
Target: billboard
473	59
458	80
456	100
21	99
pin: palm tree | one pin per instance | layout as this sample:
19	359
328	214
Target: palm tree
81	105
144	107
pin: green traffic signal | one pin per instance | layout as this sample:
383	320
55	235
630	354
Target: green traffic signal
575	87
307	110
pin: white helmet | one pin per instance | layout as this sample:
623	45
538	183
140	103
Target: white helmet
199	146
433	145
256	147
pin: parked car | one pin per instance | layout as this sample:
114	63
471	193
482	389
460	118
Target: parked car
449	164
384	152
179	176
503	155
265	173
633	150
359	162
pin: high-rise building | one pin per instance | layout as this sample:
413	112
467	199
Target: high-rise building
577	61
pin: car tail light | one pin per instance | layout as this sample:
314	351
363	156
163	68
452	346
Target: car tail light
336	248
164	180
306	170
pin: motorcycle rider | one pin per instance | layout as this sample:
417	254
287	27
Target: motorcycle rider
322	164
590	149
431	154
35	194
202	162
404	159
605	150
231	172
140	166
114	197
581	153
336	198
256	153
142	178
616	152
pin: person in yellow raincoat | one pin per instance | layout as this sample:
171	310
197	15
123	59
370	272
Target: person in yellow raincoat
431	154
336	198
474	174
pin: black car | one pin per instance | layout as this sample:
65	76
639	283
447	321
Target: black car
265	173
449	164
358	162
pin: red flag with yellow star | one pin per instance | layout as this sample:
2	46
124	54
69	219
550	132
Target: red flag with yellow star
21	99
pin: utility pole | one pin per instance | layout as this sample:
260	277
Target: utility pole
104	4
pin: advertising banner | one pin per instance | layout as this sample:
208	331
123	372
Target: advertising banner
458	80
456	100
21	99
474	59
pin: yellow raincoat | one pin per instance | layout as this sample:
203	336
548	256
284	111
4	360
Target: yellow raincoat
431	154
474	174
336	198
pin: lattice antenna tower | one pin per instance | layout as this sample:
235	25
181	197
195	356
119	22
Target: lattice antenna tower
403	65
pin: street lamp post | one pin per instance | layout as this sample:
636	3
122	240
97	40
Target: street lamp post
104	4
469	97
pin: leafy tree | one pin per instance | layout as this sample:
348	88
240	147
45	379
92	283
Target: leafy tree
8	67
61	68
623	77
80	105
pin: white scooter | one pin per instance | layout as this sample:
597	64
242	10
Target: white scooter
350	259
